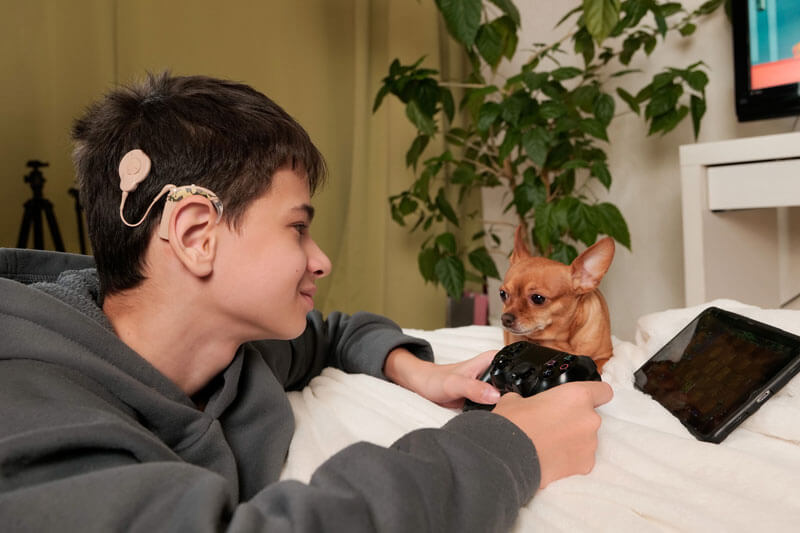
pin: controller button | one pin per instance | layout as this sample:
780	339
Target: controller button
564	367
551	362
547	373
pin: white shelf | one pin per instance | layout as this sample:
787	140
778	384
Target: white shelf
741	223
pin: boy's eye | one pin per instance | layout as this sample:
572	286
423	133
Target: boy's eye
301	227
538	299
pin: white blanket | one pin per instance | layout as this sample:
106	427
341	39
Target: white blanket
651	474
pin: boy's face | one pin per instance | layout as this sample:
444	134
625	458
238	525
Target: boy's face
268	267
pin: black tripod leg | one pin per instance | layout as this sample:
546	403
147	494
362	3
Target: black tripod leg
53	224
25	227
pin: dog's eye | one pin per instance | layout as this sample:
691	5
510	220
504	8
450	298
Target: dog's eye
538	299
503	295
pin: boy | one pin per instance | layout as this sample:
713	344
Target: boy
137	396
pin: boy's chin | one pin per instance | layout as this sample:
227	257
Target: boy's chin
292	333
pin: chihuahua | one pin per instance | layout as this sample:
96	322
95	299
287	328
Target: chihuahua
558	305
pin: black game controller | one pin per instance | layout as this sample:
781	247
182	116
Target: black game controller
527	368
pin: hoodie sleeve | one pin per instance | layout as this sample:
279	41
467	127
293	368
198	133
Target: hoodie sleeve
471	475
357	343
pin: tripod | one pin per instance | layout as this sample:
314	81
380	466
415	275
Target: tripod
33	213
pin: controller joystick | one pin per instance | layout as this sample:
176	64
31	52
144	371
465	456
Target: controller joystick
527	369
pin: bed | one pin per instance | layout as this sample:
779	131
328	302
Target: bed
651	474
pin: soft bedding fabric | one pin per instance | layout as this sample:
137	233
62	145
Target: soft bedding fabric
651	474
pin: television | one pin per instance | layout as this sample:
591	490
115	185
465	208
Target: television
766	49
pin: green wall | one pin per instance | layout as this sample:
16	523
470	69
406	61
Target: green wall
310	56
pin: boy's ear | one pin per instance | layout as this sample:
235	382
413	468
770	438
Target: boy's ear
192	228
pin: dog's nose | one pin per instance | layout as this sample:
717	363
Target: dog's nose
507	319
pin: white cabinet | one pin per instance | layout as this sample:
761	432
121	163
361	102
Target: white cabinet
741	223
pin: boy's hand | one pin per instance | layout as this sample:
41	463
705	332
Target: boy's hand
446	385
562	423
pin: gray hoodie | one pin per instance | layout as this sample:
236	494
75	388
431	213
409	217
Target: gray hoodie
93	438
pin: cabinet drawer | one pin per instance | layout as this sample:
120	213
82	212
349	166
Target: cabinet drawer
752	185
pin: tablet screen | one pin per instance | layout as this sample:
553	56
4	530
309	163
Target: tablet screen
718	370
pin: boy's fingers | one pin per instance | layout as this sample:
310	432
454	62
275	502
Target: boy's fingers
481	362
601	392
475	390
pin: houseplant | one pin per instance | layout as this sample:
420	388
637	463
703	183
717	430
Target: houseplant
541	134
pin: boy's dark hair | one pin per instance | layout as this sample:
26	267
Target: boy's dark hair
218	134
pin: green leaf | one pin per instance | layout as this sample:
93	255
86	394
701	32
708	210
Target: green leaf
464	174
487	115
649	43
483	262
565	73
600	171
407	206
604	109
635	10
450	271
564	253
423	122
629	47
473	98
552	109
663	100
629	99
697	80
510	141
529	194
445	208
568	15
582	225
667	122
661	21
426	260
446	97
698	108
380	96
508	7
535	142
709	7
508	31
544	228
462	17
446	242
584	97
611	222
490	44
584	45
419	144
593	127
687	29
600	17
534	80
512	108
565	182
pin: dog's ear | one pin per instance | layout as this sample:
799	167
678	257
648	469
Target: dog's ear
521	250
590	267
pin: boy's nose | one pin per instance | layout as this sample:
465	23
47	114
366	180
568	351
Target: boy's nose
318	262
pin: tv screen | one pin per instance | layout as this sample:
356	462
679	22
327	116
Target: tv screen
767	58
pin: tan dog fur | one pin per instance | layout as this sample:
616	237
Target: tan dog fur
573	317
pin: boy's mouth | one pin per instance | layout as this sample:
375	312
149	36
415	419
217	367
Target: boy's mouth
308	292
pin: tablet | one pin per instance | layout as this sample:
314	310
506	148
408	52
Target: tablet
719	370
